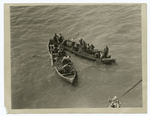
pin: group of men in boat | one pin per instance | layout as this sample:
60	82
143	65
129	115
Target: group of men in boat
54	44
80	47
89	49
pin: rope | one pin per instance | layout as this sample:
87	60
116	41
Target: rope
85	68
130	89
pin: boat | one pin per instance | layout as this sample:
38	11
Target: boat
68	77
90	56
83	55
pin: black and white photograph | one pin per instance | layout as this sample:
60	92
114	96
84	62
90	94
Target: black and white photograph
76	56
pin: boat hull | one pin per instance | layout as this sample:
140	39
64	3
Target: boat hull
86	56
68	77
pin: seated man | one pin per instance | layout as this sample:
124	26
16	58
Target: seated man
92	46
63	52
64	43
77	47
60	52
55	49
73	44
106	50
72	40
69	43
51	41
55	59
88	47
97	54
80	41
55	38
65	60
55	45
61	38
66	68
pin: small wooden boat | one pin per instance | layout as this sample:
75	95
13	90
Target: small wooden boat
69	77
91	57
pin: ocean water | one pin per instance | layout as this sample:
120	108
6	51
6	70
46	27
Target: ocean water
35	84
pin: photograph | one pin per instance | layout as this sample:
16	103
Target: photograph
76	56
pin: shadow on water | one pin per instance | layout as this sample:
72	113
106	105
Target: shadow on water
75	83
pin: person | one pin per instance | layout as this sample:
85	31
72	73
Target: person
88	46
66	60
69	43
107	49
66	68
55	59
92	46
114	103
55	45
55	48
81	41
73	44
51	42
97	54
61	38
76	48
105	54
65	43
63	52
83	46
55	38
60	52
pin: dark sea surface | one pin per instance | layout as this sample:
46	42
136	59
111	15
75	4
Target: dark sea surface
35	84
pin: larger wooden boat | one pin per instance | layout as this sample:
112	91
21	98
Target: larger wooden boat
68	77
91	57
83	55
